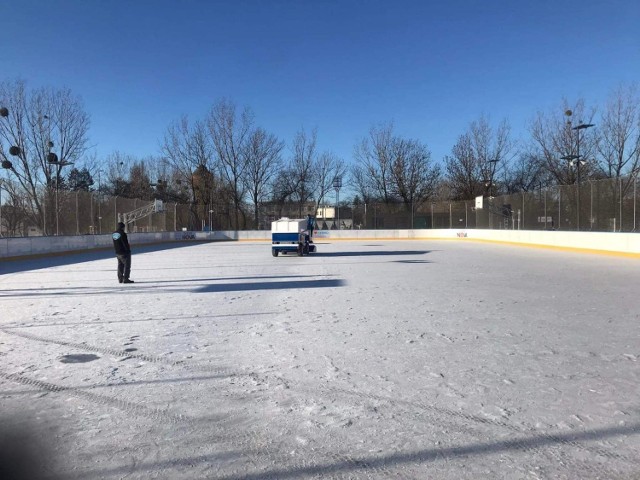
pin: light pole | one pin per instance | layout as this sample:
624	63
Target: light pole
581	126
575	160
489	187
53	159
572	159
365	215
92	227
99	203
337	184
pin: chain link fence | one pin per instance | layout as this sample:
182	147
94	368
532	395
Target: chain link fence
609	205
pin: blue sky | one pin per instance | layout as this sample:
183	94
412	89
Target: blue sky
431	67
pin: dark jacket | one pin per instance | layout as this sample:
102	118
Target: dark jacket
121	242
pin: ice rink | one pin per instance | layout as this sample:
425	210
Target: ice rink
370	359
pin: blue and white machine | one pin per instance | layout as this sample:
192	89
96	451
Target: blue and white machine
292	236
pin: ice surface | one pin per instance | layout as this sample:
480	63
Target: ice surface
368	359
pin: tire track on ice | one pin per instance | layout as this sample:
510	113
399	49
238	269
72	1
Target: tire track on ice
117	352
518	444
244	440
522	444
249	441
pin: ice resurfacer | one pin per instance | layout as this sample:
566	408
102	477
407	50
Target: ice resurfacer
292	236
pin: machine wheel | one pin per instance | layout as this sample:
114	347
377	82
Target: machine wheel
274	252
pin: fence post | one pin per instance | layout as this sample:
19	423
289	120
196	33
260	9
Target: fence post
411	214
77	217
432	226
476	217
545	209
591	200
559	210
621	194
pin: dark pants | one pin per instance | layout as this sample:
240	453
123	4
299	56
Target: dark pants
124	267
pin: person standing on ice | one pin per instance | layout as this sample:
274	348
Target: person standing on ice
310	223
123	253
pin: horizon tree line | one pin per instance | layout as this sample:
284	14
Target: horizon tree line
225	157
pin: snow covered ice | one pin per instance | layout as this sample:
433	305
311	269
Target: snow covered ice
368	359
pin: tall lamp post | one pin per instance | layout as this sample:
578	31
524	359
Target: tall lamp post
337	184
53	159
579	161
488	183
99	205
576	160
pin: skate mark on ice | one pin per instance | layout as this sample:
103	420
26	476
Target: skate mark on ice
126	406
126	353
421	405
551	438
225	428
255	444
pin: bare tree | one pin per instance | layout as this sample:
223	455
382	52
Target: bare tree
390	168
263	162
15	207
619	133
463	172
113	176
230	133
187	149
554	136
328	167
361	183
140	181
49	127
282	188
478	158
524	174
302	176
373	158
414	178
